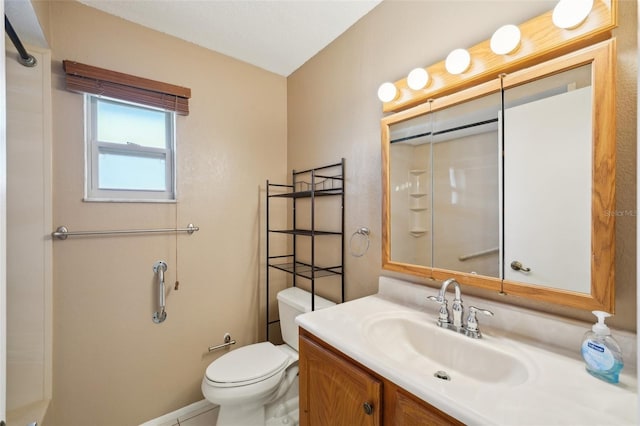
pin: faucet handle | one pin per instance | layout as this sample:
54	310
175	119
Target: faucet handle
473	310
443	314
472	321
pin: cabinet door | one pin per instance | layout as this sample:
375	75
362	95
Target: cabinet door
407	410
536	230
335	392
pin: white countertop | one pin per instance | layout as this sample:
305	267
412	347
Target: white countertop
557	391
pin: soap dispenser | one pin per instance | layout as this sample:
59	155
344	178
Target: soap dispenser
601	352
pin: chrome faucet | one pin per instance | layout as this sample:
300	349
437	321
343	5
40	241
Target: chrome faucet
457	311
456	307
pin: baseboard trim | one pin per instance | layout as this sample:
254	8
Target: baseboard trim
181	414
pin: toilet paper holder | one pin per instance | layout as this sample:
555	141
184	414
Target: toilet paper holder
227	342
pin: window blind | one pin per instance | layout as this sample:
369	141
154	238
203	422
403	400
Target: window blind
99	81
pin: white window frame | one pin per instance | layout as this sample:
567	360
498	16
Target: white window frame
93	147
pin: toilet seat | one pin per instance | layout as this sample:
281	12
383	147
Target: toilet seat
247	365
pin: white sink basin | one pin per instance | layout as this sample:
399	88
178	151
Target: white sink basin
414	341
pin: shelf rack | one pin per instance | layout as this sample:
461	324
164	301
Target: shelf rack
325	181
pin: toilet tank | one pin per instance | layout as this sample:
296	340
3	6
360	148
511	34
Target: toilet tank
292	302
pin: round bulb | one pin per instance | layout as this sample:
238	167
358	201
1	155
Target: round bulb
505	40
458	61
387	92
418	79
570	13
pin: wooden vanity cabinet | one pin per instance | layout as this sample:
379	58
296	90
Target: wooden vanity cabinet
336	390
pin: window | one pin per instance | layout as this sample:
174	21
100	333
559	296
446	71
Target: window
129	133
130	151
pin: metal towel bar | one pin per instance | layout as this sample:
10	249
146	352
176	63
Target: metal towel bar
62	232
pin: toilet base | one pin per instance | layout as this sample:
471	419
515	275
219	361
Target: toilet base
241	415
282	411
285	413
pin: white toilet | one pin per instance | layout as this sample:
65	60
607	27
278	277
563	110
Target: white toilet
258	384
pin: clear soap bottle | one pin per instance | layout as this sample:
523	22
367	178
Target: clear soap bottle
601	352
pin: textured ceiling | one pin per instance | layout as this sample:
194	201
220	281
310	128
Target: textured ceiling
277	35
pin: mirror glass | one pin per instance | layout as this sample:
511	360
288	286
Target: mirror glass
411	191
444	171
547	181
505	185
466	203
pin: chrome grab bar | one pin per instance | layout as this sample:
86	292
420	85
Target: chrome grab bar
160	268
62	232
478	254
227	342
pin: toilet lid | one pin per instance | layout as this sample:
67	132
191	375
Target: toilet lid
248	364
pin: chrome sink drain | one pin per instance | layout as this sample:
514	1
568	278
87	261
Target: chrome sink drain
442	375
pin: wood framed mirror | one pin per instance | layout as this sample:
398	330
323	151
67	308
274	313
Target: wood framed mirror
509	185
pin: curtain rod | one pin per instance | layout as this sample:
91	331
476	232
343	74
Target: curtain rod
25	58
442	132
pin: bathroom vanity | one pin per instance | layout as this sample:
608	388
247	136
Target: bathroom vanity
382	360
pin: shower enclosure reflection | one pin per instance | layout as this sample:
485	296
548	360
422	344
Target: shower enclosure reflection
444	173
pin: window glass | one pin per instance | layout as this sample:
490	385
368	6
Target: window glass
124	171
127	124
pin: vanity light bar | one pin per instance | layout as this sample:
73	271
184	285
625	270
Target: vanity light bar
505	40
458	61
570	14
418	79
572	24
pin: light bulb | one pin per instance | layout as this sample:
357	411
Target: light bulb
505	40
387	92
570	13
458	61
418	79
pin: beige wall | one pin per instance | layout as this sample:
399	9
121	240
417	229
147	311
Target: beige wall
41	9
333	112
112	364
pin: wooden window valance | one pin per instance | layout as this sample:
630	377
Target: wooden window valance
99	81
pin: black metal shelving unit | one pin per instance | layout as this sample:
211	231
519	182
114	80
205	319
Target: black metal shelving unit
325	181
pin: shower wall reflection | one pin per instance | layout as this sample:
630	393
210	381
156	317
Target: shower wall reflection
445	202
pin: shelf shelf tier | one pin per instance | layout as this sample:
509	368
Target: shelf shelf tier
307	232
308	194
305	270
